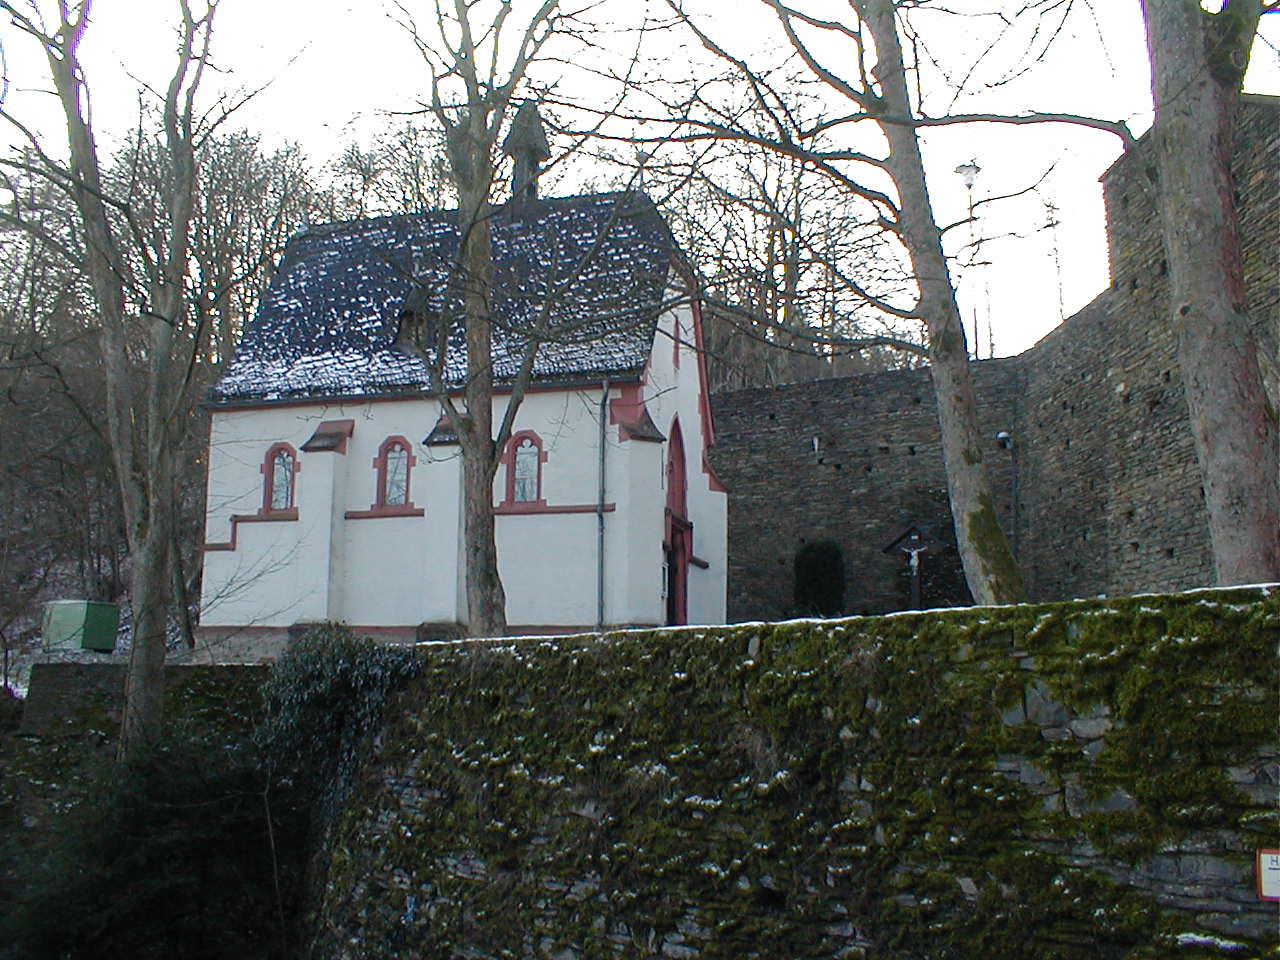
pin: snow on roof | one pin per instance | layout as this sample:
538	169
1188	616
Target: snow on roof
594	270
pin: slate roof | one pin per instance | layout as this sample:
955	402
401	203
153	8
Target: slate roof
595	267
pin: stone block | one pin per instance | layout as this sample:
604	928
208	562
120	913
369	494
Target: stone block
1090	728
1042	708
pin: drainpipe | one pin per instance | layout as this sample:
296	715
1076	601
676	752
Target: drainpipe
604	426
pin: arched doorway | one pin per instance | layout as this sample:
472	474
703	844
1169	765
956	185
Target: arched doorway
677	542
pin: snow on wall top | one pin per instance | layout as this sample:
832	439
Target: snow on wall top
589	273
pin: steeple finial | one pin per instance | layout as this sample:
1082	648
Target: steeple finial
527	144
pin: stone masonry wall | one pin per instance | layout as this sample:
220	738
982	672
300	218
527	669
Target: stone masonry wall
854	460
1108	496
1064	781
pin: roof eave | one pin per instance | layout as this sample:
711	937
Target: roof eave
575	382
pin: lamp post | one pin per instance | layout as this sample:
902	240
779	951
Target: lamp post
969	174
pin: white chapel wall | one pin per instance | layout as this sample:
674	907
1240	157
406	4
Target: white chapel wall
674	390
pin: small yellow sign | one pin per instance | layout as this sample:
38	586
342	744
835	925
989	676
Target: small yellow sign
1269	874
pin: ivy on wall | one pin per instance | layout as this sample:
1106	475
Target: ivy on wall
1086	779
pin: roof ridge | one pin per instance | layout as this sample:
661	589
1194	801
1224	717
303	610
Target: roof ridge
446	213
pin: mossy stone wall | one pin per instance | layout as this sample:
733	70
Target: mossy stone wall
1086	779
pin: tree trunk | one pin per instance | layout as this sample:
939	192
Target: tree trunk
143	447
152	531
486	599
989	566
144	681
1197	65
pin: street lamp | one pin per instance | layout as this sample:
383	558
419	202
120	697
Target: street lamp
969	173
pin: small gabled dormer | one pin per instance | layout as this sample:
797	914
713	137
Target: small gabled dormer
410	332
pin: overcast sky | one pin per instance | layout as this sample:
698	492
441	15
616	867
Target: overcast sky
335	68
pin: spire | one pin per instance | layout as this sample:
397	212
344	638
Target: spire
527	144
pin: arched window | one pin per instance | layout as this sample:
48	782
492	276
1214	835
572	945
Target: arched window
279	470
392	498
526	470
393	475
524	458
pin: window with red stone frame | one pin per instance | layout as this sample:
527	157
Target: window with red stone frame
279	482
393	494
524	458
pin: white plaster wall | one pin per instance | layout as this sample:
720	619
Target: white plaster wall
673	390
548	560
548	566
278	573
634	553
396	571
314	496
335	465
399	571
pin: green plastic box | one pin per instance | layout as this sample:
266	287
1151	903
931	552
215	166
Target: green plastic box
80	625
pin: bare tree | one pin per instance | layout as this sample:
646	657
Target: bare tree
873	81
144	416
249	201
59	509
472	125
787	255
989	565
1198	61
479	65
52	436
403	170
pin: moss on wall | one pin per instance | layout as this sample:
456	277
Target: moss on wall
1084	779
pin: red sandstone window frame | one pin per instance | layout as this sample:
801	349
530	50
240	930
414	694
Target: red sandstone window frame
268	468
509	458
380	507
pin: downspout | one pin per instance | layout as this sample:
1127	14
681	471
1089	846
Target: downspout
604	420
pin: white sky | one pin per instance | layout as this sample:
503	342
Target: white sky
335	67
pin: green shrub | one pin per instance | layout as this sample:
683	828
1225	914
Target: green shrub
325	700
192	852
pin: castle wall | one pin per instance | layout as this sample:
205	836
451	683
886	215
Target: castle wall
854	460
1108	496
